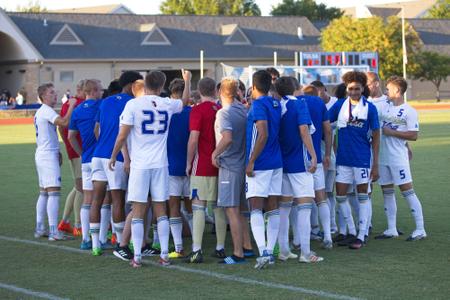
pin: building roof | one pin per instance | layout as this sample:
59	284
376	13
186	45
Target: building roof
434	33
413	9
103	9
384	12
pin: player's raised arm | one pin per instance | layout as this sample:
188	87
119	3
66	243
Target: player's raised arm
124	131
64	121
187	76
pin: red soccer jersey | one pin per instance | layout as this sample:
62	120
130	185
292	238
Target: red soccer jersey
202	119
70	152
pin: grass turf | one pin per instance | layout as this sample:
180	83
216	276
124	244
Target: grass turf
383	269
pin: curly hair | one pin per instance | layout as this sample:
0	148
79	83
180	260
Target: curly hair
355	76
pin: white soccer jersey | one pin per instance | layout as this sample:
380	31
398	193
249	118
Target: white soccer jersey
393	151
150	117
380	103
46	136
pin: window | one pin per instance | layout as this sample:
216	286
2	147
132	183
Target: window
66	76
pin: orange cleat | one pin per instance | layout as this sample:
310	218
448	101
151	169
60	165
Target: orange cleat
113	239
76	231
64	226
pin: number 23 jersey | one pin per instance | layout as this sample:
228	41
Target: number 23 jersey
149	117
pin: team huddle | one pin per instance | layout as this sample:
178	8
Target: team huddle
287	158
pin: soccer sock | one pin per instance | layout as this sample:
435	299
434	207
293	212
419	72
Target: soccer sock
119	229
283	234
332	205
257	225
221	227
369	216
52	211
342	223
273	227
315	228
148	224
190	220
155	235
176	228
68	206
304	226
105	217
416	208
41	210
294	225
198	226
346	213
94	230
137	235
324	214
78	201
353	201
84	214
363	215
164	232
390	209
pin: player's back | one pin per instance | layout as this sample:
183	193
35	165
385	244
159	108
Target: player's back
46	136
177	141
319	114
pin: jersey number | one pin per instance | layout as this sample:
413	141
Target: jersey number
402	174
162	122
364	173
400	112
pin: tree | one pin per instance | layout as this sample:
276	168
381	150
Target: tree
373	34
440	10
433	67
306	8
210	7
31	7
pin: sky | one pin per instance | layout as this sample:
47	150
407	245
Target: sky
152	6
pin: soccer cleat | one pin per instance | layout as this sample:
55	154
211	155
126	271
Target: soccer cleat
386	235
328	245
148	250
357	244
296	247
334	230
76	231
156	246
317	236
339	237
106	246
135	264
176	254
113	239
310	258
276	250
271	259
416	236
232	260
86	245
164	262
347	241
195	257
124	253
65	226
262	261
97	251
40	233
58	236
248	253
285	257
219	253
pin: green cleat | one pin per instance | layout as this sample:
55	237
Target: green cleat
97	251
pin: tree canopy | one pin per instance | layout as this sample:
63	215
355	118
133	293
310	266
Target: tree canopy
210	7
31	7
441	10
306	8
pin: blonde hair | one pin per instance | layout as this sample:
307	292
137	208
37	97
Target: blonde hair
138	88
229	87
90	85
42	89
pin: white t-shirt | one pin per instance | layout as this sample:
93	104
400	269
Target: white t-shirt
149	117
332	167
379	103
46	136
393	150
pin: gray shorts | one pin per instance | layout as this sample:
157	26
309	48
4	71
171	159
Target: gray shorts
231	188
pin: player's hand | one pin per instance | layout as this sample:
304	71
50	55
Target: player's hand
374	175
72	102
126	166
249	169
187	75
313	167
326	162
60	159
214	160
188	170
112	164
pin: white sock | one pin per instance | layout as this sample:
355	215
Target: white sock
294	225
164	232
390	209
258	230
119	230
416	208
52	211
94	229
41	210
283	234
363	215
315	228
155	234
324	214
332	205
273	228
176	228
84	215
354	204
105	217
137	235
369	216
346	212
304	226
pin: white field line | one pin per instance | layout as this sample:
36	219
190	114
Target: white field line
238	279
29	292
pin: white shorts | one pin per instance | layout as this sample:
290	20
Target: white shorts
350	175
100	172
179	186
265	183
319	178
48	169
397	175
86	175
153	182
298	185
330	178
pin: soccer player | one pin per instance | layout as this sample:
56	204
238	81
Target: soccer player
108	126
82	124
201	145
177	141
229	157
355	161
264	168
75	197
48	161
145	120
298	182
400	124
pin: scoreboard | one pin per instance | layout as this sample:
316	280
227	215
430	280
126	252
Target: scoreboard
311	59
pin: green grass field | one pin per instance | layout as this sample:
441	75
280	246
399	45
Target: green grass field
391	269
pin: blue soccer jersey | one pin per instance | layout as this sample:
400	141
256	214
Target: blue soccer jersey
177	142
295	113
83	121
108	117
353	148
319	114
268	109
